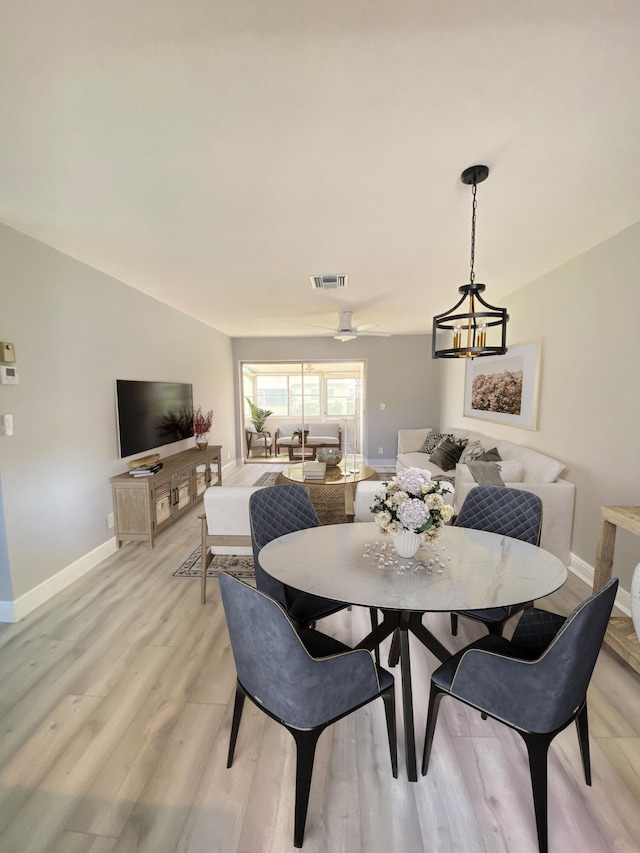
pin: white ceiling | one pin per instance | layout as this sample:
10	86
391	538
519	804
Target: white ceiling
216	153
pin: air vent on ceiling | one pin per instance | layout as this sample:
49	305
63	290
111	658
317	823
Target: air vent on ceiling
328	282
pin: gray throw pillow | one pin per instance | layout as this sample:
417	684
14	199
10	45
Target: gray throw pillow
490	456
446	454
473	450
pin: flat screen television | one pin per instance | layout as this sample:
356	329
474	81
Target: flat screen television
152	414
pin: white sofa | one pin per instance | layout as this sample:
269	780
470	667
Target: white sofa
521	468
320	435
226	528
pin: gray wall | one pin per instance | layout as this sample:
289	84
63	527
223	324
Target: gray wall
587	314
399	373
76	331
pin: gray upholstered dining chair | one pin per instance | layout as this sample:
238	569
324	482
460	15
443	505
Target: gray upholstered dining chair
509	512
302	679
536	683
273	512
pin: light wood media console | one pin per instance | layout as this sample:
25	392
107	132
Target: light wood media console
620	635
145	506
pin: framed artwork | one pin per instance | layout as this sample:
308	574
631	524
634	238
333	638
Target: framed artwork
504	388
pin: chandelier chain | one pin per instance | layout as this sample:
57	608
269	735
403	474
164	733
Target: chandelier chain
473	235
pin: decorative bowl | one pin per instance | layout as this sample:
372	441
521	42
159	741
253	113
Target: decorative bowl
329	455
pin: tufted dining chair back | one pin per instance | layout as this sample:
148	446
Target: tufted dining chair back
507	512
274	512
504	510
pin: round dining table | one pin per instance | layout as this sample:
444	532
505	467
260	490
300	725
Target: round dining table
465	570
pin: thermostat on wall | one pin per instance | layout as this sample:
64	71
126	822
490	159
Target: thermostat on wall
7	353
8	375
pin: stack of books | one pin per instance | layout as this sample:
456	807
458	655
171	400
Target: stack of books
146	470
315	470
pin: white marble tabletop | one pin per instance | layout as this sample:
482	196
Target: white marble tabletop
471	569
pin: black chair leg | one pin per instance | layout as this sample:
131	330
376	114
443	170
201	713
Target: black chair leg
432	715
582	724
373	615
305	752
390	713
538	748
238	705
394	651
454	624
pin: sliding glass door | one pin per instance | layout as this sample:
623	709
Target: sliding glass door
309	392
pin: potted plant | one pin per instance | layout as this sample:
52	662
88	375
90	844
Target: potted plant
201	425
258	415
297	433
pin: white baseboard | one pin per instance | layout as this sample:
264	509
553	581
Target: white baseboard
12	611
585	572
381	463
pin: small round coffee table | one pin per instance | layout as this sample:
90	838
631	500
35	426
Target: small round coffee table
331	497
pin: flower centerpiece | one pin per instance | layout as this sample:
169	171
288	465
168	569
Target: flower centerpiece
411	508
201	425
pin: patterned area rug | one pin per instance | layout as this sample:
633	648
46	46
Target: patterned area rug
239	567
266	479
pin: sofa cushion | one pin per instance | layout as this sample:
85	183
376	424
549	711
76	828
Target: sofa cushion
333	440
324	430
538	468
411	440
285	431
447	454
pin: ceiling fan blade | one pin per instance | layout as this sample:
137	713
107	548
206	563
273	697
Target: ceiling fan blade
326	328
376	334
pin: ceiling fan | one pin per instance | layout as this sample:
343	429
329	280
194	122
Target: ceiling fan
346	331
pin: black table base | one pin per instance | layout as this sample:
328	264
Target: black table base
404	621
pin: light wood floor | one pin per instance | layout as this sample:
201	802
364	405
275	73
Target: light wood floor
115	708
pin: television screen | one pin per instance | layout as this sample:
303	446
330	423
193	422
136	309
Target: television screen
151	414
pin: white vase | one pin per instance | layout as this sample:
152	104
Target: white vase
406	543
635	599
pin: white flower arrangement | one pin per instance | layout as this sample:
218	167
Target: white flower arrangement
412	501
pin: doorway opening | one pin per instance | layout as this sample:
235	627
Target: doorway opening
302	392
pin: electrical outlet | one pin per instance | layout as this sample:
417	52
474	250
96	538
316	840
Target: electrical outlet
380	451
110	521
228	454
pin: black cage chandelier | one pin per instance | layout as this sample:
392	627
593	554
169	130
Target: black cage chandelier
468	323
